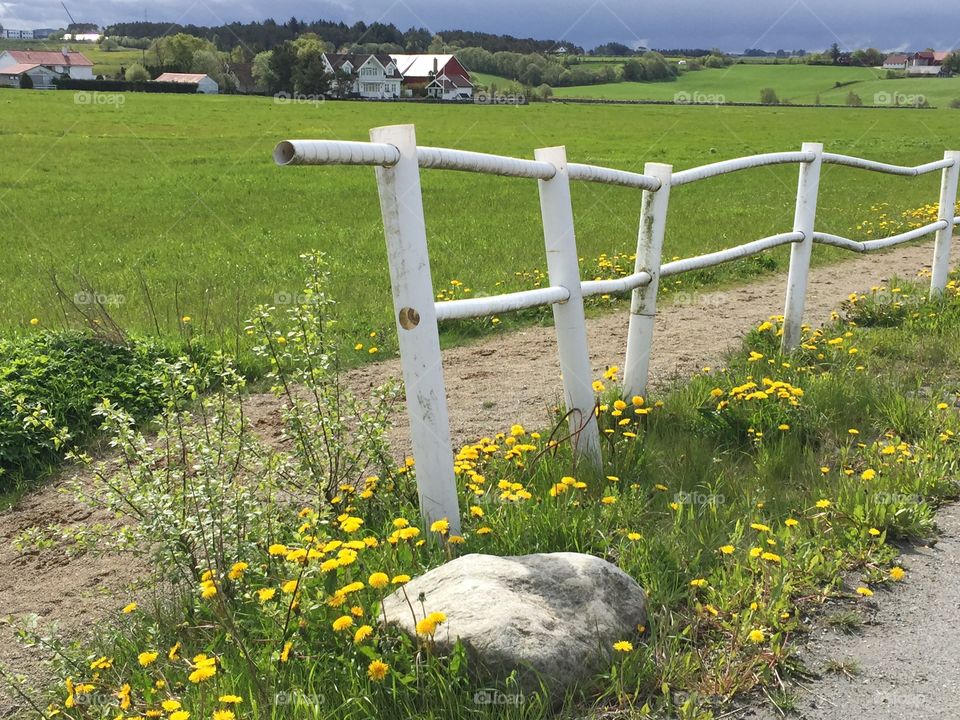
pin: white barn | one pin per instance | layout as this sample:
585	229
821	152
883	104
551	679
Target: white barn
206	85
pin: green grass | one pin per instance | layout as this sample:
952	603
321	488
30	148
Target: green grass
740	512
172	206
799	83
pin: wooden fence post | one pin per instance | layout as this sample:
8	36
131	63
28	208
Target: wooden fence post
643	303
563	267
948	203
804	219
401	204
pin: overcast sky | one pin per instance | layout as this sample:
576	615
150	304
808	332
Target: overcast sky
731	24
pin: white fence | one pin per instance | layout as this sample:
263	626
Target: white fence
394	153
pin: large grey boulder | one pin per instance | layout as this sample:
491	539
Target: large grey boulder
552	617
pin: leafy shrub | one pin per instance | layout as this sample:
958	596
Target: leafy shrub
136	73
955	103
49	386
768	96
854	100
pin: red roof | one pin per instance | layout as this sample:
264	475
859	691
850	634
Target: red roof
181	77
17	69
40	57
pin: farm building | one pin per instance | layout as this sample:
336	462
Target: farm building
368	75
65	62
439	76
17	34
42	77
205	84
927	62
896	61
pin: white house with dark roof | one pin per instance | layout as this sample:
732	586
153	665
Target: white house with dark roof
367	75
65	62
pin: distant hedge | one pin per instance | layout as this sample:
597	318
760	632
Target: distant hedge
124	86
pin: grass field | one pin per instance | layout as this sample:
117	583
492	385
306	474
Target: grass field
798	83
172	206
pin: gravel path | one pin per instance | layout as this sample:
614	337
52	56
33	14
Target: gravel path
904	664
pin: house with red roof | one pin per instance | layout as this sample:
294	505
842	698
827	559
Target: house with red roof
437	76
65	62
927	62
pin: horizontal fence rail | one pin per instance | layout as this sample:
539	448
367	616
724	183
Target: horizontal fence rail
398	159
745	163
834	159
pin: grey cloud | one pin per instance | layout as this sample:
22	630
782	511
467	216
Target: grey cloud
732	25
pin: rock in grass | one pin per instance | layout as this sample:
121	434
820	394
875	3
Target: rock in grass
551	617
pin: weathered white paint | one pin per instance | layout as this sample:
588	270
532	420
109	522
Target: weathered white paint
948	203
563	269
803	221
699	262
401	204
643	303
508	302
880	243
745	163
835	159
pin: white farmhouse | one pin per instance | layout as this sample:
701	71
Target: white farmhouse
366	75
65	62
205	84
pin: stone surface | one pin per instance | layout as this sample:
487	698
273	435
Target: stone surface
552	617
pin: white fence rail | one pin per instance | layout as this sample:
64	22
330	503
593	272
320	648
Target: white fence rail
397	158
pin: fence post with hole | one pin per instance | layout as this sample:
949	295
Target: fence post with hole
804	218
401	204
563	269
643	303
948	204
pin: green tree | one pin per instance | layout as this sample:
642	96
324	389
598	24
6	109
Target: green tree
854	100
283	62
310	75
262	73
768	96
109	45
177	51
634	70
137	73
952	63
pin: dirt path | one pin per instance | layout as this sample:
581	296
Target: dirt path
492	384
499	381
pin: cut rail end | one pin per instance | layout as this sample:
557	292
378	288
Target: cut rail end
284	153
